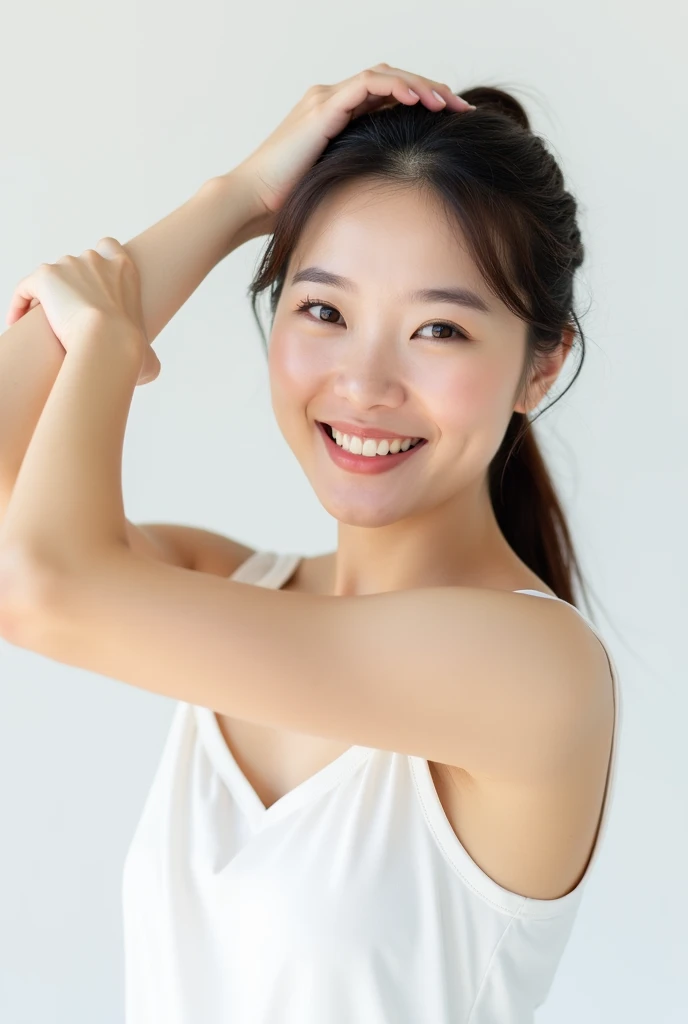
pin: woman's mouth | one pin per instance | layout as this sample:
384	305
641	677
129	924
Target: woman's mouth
364	463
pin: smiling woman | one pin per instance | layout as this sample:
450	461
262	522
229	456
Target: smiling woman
390	769
347	227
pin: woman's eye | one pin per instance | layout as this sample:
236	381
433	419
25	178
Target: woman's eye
309	304
458	333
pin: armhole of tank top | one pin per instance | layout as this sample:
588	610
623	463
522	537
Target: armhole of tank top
610	786
470	872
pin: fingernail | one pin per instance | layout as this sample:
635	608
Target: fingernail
437	95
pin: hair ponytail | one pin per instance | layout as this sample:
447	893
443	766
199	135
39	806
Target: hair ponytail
528	511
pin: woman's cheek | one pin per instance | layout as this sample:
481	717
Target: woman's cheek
290	365
296	383
468	401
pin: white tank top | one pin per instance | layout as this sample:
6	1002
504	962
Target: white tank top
348	901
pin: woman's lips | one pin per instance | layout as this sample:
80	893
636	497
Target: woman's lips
364	463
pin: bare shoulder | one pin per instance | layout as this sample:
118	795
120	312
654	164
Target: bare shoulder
572	623
543	850
585	652
189	547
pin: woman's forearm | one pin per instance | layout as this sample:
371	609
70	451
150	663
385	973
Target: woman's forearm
173	257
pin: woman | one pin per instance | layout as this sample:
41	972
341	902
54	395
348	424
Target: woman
380	808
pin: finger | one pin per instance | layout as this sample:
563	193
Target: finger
373	88
425	86
17	309
109	247
370	89
378	103
23	299
150	369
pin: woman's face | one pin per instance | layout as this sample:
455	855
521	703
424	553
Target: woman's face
378	361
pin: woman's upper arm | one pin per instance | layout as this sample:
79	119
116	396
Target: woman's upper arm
189	547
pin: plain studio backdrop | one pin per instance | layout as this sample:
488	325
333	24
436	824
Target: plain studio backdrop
112	117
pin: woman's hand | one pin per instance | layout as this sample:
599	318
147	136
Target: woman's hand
284	157
79	293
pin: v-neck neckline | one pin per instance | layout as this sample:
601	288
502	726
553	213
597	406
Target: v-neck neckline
280	571
243	792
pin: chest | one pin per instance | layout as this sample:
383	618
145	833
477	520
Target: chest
534	841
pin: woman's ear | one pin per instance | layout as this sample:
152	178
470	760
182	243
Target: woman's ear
549	368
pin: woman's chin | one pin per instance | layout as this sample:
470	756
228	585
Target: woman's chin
357	511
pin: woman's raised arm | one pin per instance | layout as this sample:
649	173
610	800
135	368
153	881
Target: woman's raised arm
173	257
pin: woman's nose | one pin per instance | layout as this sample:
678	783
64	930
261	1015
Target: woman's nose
369	372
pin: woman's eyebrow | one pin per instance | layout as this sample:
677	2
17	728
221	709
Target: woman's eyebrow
455	296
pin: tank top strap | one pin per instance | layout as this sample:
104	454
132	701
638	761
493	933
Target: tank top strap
266	569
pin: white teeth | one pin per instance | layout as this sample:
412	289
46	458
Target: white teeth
371	446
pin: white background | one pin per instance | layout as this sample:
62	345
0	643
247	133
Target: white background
114	115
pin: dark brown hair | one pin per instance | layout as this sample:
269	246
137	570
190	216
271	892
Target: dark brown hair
506	191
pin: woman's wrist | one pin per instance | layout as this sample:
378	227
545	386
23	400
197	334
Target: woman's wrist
238	207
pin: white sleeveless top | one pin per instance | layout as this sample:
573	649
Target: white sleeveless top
348	901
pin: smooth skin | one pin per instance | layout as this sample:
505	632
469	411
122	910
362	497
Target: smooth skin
405	659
